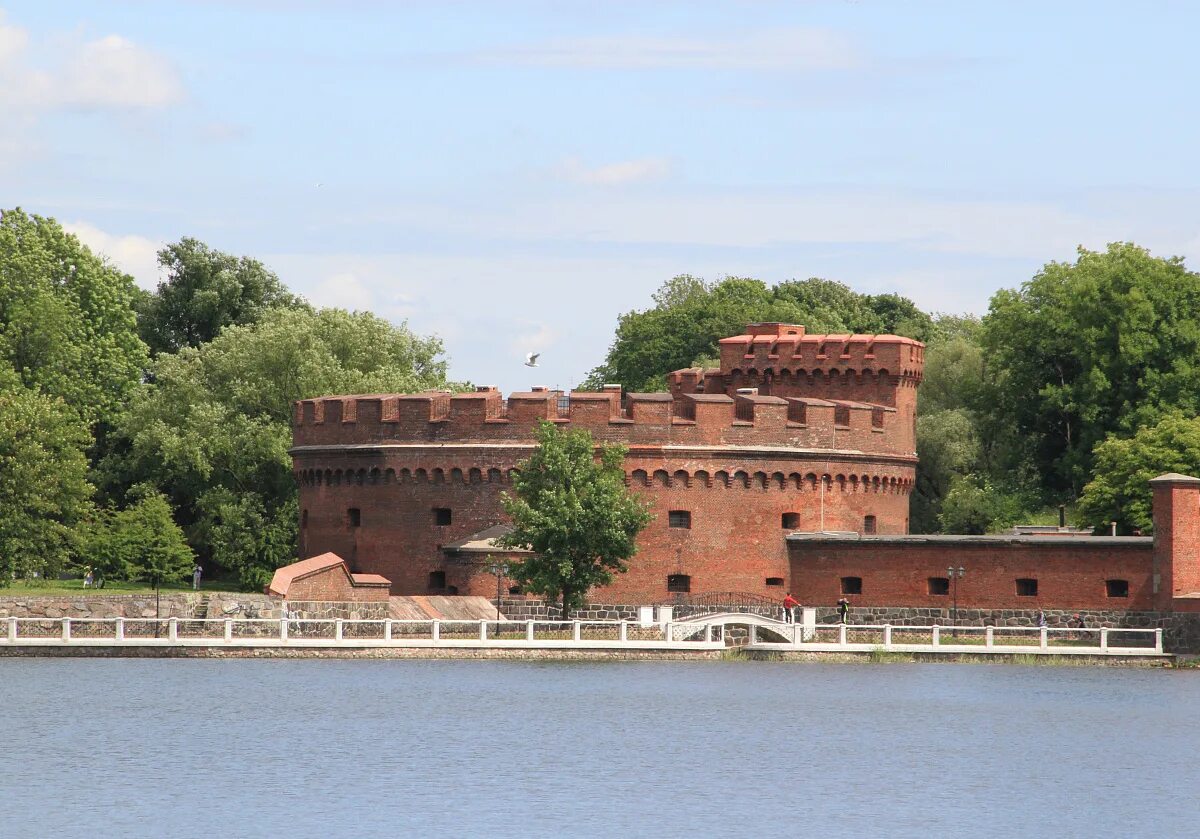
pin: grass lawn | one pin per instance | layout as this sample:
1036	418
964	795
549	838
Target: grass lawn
74	588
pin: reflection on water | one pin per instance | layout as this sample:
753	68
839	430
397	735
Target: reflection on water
248	748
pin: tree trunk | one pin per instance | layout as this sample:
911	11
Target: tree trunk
566	595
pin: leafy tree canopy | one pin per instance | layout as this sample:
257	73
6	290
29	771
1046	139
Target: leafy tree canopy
213	429
67	324
141	542
205	291
571	507
44	490
1101	346
1120	490
691	315
975	505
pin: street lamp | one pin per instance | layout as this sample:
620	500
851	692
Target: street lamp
499	569
953	580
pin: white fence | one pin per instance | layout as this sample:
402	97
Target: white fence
285	632
1004	640
695	634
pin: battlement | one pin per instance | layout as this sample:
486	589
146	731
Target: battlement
635	419
781	346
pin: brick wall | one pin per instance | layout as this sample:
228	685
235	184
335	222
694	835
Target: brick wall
1070	573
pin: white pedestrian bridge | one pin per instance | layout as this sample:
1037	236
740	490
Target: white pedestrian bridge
706	632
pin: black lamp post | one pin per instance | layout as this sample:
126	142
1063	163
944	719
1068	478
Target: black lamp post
499	569
953	580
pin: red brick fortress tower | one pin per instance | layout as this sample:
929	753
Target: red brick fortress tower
792	432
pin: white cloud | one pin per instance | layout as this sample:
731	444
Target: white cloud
108	72
135	255
536	337
343	291
613	174
113	72
795	48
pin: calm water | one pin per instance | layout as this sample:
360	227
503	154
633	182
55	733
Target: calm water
296	749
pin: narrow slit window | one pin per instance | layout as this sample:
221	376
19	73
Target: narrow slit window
869	524
354	517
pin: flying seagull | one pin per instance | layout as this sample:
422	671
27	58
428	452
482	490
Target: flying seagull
531	359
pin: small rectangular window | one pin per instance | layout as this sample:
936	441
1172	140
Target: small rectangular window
841	415
679	518
303	519
869	524
1116	588
851	585
939	585
1026	587
680	583
354	517
441	516
437	580
791	521
774	581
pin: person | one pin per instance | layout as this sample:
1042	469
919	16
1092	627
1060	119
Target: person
789	608
196	572
1041	618
87	577
843	607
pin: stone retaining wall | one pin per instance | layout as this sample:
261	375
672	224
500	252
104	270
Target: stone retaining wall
14	605
179	605
329	610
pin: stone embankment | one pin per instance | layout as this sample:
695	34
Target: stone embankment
175	605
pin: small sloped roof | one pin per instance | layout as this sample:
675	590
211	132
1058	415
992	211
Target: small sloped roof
288	574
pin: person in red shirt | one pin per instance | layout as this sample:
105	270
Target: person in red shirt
789	608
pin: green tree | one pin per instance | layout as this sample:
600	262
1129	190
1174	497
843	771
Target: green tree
1101	346
974	505
141	542
691	315
948	447
212	430
571	508
67	323
205	291
44	490
1120	490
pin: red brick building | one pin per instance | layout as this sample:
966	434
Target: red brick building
793	432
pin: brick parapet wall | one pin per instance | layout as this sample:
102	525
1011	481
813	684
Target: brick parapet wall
654	419
1071	574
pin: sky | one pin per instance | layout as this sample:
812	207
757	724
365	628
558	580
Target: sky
513	176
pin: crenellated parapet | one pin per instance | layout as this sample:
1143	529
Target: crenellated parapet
744	420
780	346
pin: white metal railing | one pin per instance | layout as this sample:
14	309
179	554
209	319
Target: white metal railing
301	632
974	639
579	634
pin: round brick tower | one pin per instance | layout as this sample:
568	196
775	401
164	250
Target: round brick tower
791	432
